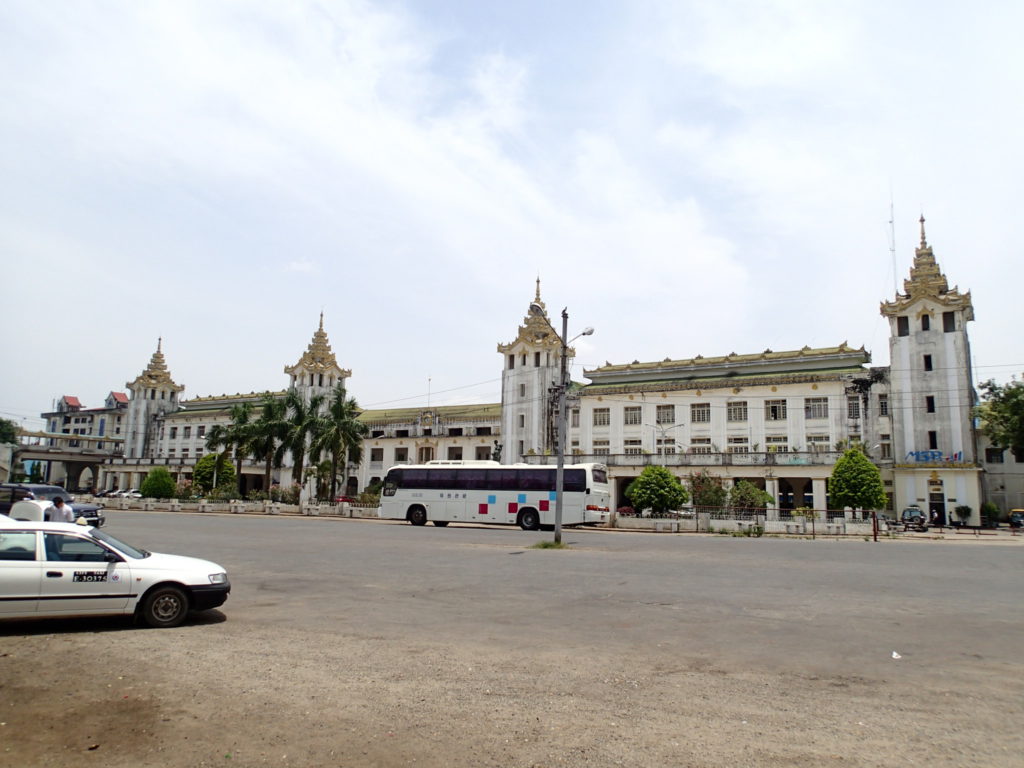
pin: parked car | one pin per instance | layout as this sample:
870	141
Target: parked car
1017	518
131	493
14	492
913	518
64	569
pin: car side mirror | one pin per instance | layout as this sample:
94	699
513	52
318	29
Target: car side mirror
110	557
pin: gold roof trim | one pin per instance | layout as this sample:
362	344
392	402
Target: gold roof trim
318	356
156	373
927	281
709	362
536	331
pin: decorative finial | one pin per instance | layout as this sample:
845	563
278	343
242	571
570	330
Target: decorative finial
321	319
537	297
924	242
159	342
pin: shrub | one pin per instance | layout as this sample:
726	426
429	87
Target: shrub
257	496
657	489
203	472
223	493
626	512
992	512
158	484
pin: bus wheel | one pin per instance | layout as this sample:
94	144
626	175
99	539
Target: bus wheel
417	516
529	520
440	523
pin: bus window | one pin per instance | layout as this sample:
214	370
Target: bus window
600	476
472	479
575	480
413	478
502	479
392	482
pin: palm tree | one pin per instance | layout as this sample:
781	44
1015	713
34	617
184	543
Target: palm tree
301	419
267	435
339	434
233	436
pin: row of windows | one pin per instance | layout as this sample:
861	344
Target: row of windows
736	411
477	479
454	453
450	431
186	432
536	359
948	323
737	444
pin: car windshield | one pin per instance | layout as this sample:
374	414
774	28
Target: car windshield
119	545
47	494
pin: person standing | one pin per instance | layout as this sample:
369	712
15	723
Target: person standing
61	512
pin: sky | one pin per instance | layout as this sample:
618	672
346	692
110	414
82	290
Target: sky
685	177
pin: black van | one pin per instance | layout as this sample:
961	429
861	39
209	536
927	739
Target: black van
13	492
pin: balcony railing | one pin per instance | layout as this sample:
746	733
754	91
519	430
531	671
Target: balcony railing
788	459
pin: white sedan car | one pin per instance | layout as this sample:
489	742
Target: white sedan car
65	569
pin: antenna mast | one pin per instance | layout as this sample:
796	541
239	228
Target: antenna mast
892	242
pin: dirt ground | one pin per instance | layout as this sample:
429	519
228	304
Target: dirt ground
220	693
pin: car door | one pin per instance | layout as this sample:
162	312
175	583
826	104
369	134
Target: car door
78	576
20	571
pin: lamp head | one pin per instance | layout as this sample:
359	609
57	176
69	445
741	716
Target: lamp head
536	309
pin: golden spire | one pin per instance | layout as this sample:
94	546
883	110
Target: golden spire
318	355
156	372
924	242
927	282
537	297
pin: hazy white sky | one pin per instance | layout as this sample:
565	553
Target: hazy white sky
687	177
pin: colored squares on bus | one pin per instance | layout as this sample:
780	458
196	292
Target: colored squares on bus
545	505
522	498
552	495
492	499
481	509
512	507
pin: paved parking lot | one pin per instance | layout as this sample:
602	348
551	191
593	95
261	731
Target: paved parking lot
370	643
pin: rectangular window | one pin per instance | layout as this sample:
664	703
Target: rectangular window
511	361
666	447
883	405
739	445
632	448
455	431
926	323
401	454
483	431
700	445
184	453
736	411
377	454
775	410
601	448
536	359
853	407
401	433
522	420
170	452
602	417
948	322
187	432
483	453
454	453
522	390
777	444
631	415
994	455
174	432
933	440
700	413
575	418
902	326
886	450
201	431
927	362
929	403
817	442
666	414
815	407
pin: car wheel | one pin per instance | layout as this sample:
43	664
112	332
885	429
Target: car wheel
529	520
440	523
165	607
418	516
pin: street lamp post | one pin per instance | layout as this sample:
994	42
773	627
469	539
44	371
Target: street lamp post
538	311
663	430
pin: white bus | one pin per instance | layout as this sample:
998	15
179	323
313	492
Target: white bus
488	492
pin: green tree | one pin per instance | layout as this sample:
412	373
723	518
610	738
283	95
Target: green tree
656	489
856	482
8	431
266	436
339	434
213	465
707	490
232	437
158	484
301	420
1002	415
748	497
